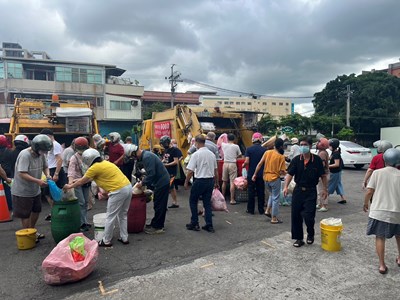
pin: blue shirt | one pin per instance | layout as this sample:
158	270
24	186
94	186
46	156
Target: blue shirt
255	153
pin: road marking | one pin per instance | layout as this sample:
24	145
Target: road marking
103	290
269	245
207	265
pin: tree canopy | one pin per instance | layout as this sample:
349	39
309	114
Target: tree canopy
375	101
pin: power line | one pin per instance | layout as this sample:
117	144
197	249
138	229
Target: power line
242	93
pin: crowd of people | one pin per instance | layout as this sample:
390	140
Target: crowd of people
112	165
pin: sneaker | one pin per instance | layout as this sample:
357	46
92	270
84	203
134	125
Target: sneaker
48	218
194	227
323	209
173	206
153	230
318	206
148	226
208	228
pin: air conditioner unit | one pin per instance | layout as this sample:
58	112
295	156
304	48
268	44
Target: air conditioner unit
134	103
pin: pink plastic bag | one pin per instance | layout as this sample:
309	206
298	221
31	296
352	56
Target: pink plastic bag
218	201
240	183
59	266
222	139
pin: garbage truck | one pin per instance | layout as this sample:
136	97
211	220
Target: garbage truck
67	118
185	122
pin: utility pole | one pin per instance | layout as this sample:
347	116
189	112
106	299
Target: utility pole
348	106
173	79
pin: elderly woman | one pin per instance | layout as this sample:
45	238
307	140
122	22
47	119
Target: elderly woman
384	213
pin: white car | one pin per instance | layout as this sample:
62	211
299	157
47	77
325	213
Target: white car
352	154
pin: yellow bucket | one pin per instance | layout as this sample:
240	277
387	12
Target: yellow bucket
26	238
330	237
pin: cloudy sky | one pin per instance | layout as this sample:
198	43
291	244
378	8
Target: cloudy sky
269	47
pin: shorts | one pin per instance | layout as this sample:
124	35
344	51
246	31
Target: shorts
229	171
23	206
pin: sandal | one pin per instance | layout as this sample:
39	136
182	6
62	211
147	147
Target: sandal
310	241
39	236
383	272
342	202
102	244
122	241
298	243
268	215
233	203
277	221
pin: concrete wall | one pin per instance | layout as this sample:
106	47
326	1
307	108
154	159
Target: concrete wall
135	112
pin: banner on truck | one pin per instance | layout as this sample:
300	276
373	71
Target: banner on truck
162	128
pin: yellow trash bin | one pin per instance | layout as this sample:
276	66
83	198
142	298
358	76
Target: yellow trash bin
26	238
330	235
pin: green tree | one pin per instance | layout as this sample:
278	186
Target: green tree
325	124
345	134
299	123
267	125
155	107
374	102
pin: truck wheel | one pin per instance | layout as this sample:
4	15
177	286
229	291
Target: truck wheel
359	166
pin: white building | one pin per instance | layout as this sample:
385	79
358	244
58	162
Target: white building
276	107
33	74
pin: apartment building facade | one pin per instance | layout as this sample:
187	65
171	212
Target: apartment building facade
116	101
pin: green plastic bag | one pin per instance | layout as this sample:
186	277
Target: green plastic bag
77	246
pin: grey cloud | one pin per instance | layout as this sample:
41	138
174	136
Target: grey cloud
266	47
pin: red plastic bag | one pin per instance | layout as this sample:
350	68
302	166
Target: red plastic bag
218	201
59	266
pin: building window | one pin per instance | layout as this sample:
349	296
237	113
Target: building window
273	103
237	103
287	104
100	101
226	102
120	105
264	103
1	70
231	103
94	76
63	74
14	70
219	102
280	103
66	74
248	103
243	103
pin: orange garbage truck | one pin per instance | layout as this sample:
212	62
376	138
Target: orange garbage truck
67	118
185	122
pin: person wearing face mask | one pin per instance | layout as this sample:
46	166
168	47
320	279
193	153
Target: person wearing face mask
274	167
306	169
335	168
26	193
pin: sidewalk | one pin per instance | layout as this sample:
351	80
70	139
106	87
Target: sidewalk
273	269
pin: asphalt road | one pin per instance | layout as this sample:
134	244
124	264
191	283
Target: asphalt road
20	271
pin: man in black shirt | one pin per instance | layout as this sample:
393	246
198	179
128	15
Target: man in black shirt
171	161
306	168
